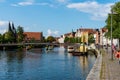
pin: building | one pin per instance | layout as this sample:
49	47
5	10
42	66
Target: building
104	40
86	32
72	34
37	36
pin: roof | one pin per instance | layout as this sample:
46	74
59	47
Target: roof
35	35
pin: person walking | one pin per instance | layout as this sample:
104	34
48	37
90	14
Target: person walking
118	55
113	49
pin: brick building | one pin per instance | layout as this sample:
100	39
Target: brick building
37	36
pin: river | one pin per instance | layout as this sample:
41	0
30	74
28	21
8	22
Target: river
41	65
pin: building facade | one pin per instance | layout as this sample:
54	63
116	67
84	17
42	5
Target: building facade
86	32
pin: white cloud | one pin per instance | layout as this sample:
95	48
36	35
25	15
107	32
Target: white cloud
45	4
49	32
52	33
3	26
3	23
25	3
2	31
62	1
98	11
56	32
32	2
14	5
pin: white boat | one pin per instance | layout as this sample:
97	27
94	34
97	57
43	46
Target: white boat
49	47
70	49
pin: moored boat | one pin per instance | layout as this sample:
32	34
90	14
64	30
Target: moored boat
70	49
81	50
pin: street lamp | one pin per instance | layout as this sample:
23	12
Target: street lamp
112	12
111	36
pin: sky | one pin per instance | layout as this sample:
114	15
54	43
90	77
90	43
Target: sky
54	17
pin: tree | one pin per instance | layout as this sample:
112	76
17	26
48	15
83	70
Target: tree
8	37
50	39
91	38
1	38
77	39
115	22
20	34
66	39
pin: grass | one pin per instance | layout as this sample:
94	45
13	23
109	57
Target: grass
103	64
102	70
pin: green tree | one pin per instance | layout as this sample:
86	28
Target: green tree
50	39
72	40
77	39
115	22
1	38
8	37
66	40
91	38
20	34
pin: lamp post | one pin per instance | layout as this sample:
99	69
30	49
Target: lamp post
111	36
112	12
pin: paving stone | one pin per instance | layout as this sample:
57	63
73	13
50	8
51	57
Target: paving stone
111	71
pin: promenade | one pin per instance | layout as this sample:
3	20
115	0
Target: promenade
110	69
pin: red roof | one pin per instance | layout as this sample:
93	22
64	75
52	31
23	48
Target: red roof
33	35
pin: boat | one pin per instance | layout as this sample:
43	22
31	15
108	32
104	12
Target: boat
70	49
49	47
81	50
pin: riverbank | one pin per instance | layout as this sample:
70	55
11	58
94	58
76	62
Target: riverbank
95	71
105	68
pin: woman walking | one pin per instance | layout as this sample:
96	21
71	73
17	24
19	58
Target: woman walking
118	55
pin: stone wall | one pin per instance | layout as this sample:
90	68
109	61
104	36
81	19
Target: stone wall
95	71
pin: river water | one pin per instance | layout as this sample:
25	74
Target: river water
41	65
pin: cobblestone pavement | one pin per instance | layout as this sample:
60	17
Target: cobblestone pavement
110	69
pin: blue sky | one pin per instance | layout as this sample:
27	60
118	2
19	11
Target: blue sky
54	17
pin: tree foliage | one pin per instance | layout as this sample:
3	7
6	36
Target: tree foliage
12	36
91	38
66	40
9	37
20	34
115	21
72	40
1	38
50	39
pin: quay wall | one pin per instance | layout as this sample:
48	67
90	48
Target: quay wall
94	74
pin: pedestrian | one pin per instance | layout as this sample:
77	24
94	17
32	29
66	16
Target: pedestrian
113	49
118	55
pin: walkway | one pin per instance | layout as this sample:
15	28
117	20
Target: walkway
110	69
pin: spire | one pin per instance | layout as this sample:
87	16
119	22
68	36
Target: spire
13	28
9	27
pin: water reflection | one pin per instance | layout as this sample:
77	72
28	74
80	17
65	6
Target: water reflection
37	65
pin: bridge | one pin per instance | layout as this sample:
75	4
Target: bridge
35	44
